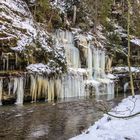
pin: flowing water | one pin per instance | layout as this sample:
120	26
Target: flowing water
49	121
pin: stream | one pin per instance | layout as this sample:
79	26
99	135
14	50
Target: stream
59	120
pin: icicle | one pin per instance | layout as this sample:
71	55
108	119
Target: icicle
96	63
33	89
58	87
16	59
7	62
45	87
15	85
39	86
72	86
20	92
110	93
9	87
4	61
1	88
62	87
97	88
125	87
72	53
109	88
90	67
49	91
102	64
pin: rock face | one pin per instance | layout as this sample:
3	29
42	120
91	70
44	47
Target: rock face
27	50
18	29
24	40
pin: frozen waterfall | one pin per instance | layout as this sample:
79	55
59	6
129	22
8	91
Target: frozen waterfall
76	82
95	62
72	53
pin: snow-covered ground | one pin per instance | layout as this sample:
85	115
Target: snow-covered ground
109	128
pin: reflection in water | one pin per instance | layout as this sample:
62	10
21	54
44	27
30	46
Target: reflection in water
48	121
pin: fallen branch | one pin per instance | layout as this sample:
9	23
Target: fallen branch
104	107
123	117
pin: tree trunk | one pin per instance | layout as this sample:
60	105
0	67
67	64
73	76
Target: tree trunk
74	14
129	51
35	9
96	16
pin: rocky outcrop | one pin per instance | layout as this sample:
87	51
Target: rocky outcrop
26	40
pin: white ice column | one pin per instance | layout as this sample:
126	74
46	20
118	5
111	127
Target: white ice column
20	91
89	61
1	88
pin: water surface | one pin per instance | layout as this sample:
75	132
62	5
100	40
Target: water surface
49	121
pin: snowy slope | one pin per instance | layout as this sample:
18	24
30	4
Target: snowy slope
109	128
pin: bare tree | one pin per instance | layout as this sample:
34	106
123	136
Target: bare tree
74	14
129	49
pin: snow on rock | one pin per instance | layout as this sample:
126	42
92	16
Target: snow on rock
126	69
17	23
80	71
61	4
82	40
19	31
39	68
136	41
50	68
42	38
109	128
76	30
111	76
106	80
92	82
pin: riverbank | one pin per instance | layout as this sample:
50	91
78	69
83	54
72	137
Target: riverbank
110	128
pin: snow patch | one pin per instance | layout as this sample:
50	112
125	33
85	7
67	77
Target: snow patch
126	69
136	41
39	68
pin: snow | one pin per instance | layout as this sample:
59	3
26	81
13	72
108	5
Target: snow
89	37
76	30
92	82
100	35
110	76
136	41
125	69
110	128
20	25
15	5
59	4
105	80
78	71
39	68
